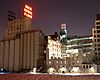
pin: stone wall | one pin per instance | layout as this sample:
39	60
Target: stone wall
47	77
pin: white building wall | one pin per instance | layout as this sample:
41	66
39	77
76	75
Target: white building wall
32	51
54	49
25	52
21	51
1	54
17	55
28	50
11	55
36	48
6	55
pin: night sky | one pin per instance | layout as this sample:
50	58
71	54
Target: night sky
79	15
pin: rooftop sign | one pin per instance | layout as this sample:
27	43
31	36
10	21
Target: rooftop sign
28	11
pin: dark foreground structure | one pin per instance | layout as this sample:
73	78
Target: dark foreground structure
47	77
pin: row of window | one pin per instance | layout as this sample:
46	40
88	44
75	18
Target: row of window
97	23
98	27
97	53
97	58
54	49
64	62
97	49
98	40
98	31
55	54
86	66
97	35
18	21
97	45
59	46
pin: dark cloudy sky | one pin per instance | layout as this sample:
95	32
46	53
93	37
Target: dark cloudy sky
79	15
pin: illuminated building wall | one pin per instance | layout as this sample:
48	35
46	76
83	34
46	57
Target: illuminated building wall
75	56
84	43
54	48
54	57
53	51
9	52
79	52
96	39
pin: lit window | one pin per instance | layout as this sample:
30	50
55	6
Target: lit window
65	62
49	62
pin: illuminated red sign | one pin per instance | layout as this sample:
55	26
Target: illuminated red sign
28	11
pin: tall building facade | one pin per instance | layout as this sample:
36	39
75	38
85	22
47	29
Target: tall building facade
83	43
21	47
23	52
81	52
96	39
78	58
63	34
17	26
63	38
55	61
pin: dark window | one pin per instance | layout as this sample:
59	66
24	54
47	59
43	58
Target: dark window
17	28
96	58
86	66
97	16
98	40
94	31
98	35
99	53
95	53
99	49
94	35
97	23
98	31
97	45
98	27
89	66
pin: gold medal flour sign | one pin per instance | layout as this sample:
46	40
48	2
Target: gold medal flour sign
28	11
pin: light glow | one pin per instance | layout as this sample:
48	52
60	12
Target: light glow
92	70
28	11
62	70
28	7
75	70
51	70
